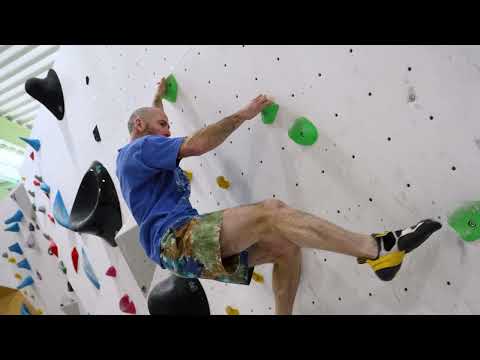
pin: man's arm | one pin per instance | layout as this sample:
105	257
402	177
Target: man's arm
209	138
157	100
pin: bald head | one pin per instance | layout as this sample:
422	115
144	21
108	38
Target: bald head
148	121
143	113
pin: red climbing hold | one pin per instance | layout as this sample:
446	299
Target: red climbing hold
51	218
111	271
36	182
75	259
126	305
53	249
32	156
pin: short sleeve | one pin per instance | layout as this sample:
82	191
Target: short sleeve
161	152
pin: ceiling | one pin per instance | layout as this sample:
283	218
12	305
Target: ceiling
18	63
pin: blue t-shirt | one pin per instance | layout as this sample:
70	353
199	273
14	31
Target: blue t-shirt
155	188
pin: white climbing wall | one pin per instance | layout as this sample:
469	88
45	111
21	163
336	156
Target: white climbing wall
398	142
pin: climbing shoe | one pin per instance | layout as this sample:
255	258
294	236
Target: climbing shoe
394	245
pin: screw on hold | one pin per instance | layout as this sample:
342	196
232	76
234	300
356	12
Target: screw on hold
471	223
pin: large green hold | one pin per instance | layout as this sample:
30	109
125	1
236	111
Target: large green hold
466	221
269	113
172	89
303	132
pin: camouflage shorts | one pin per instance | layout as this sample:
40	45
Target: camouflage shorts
193	251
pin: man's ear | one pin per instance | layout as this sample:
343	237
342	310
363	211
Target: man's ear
139	124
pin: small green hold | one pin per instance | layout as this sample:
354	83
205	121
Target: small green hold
303	132
269	113
466	221
62	267
171	89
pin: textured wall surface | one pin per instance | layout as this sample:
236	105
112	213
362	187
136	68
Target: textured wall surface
398	142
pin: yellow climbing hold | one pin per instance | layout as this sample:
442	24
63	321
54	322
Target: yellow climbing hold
258	277
222	182
188	174
39	311
12	261
18	276
231	311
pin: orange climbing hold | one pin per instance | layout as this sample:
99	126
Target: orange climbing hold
258	277
231	311
222	182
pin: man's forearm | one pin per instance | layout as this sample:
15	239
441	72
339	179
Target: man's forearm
157	102
213	135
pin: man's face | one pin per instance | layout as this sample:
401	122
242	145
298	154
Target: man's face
158	124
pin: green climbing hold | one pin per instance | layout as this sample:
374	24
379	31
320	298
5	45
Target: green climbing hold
303	132
62	267
270	113
171	89
466	221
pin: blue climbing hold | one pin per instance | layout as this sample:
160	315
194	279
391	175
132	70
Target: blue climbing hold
13	228
45	188
34	143
24	310
16	248
27	282
17	217
24	264
60	212
87	267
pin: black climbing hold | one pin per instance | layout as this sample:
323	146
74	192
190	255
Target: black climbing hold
96	209
178	296
69	287
87	80
96	134
49	92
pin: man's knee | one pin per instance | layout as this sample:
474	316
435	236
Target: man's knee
269	211
273	205
286	252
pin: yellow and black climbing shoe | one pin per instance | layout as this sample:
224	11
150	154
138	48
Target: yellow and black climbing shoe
394	245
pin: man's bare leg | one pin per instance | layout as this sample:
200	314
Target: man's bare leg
286	277
272	219
285	274
275	228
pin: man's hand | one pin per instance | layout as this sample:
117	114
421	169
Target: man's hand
162	87
255	107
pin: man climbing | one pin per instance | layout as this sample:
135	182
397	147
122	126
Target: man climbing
225	245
